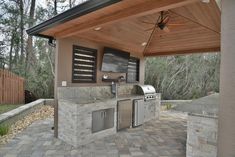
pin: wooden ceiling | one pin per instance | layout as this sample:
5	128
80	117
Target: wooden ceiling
123	26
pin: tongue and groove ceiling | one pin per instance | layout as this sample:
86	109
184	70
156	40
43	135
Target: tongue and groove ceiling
122	25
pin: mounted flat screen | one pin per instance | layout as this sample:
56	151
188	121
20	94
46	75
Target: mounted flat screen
115	60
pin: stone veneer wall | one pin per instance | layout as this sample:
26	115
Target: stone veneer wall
75	121
75	116
98	92
126	90
202	136
76	104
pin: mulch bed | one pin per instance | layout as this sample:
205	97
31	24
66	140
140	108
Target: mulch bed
40	113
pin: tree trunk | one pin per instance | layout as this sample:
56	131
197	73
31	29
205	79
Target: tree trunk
29	49
21	31
55	7
70	3
11	48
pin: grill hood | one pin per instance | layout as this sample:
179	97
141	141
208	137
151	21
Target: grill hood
145	89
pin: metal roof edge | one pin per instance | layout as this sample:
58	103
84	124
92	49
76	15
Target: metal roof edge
75	12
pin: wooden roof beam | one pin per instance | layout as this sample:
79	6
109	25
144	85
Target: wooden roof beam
145	8
182	52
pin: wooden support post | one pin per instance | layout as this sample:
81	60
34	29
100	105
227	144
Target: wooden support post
226	132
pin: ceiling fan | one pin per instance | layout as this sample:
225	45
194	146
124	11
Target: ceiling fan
162	22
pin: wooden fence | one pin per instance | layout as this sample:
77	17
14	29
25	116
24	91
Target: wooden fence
11	88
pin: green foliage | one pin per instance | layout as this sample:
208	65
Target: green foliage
168	106
38	69
4	129
7	107
184	77
176	77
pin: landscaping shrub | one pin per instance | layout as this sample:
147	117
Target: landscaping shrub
4	129
168	106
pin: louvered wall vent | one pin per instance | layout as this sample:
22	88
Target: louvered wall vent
84	65
133	70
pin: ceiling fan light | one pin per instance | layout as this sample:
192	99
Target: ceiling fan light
205	1
97	28
144	44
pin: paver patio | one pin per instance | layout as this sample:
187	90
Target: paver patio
158	138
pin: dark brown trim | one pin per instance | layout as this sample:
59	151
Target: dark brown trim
86	68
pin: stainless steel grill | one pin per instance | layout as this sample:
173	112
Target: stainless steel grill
148	91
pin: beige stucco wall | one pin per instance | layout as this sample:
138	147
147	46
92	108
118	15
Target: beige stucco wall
64	73
226	133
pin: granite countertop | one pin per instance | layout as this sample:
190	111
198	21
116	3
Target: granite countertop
98	100
86	101
130	96
205	106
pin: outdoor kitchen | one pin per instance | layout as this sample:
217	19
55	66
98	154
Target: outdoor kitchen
100	51
91	108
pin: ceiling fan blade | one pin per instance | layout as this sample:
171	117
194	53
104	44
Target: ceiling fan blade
166	29
150	29
166	19
175	24
150	39
147	22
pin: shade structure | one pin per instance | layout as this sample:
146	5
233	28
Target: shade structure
194	25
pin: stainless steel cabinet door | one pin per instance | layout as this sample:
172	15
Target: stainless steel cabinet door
139	112
102	119
108	118
97	121
124	114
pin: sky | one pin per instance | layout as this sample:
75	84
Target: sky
43	3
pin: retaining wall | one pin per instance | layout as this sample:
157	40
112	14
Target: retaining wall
12	116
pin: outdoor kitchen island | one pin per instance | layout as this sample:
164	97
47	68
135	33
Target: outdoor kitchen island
97	91
79	109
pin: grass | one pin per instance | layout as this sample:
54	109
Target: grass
5	108
4	129
168	106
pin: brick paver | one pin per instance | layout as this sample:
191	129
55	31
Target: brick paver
158	138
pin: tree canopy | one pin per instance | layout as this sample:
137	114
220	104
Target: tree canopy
184	77
176	77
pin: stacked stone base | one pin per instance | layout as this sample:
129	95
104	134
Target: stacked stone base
202	136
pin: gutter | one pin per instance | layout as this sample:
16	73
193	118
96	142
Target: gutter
75	12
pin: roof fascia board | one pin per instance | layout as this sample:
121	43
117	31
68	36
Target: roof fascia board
75	12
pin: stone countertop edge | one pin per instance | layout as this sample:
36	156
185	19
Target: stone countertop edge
20	109
203	115
90	101
130	96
